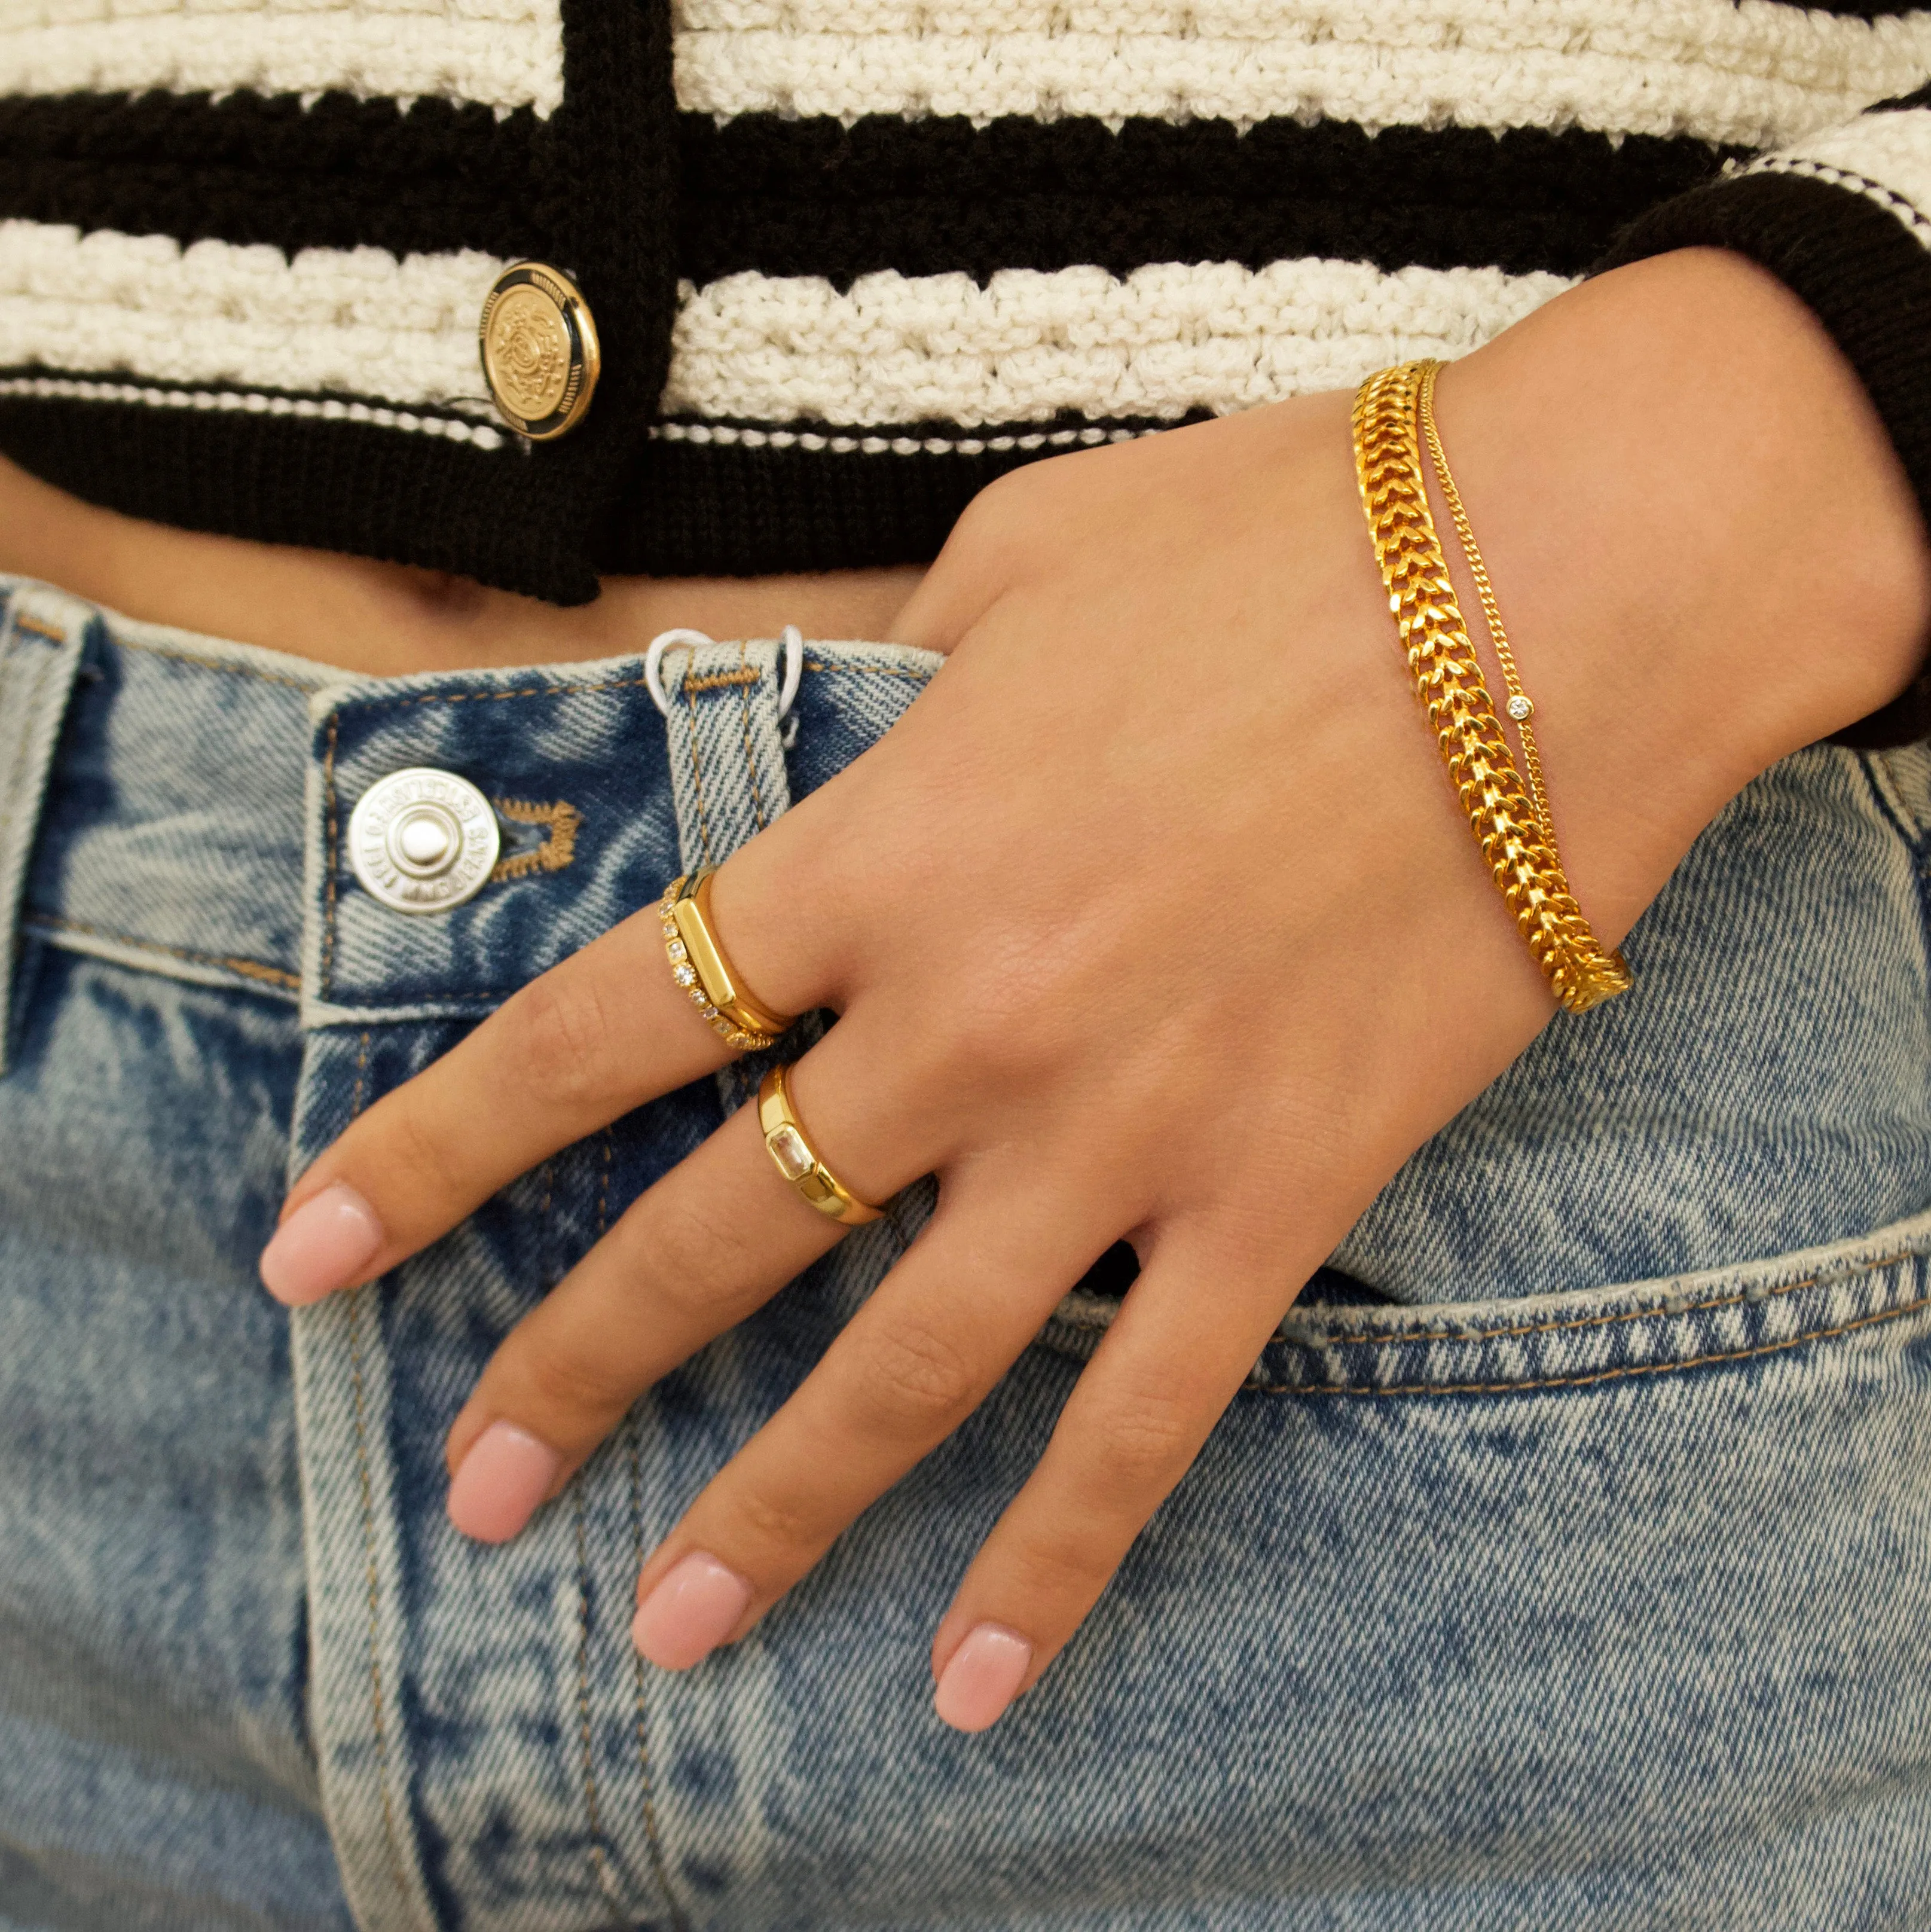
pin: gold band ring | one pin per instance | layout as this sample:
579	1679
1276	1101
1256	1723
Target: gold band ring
792	1153
698	965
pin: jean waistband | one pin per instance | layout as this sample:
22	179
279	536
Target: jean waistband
182	804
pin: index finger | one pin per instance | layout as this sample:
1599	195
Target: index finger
592	1038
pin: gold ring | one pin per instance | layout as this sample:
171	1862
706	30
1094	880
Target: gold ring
790	1149
698	965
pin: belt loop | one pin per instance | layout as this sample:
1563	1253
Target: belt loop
722	707
42	635
727	775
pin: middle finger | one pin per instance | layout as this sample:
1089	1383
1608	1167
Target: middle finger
710	1242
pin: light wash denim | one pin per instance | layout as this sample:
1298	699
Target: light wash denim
1500	1598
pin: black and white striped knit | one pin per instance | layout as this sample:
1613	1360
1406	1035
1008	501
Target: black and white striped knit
851	258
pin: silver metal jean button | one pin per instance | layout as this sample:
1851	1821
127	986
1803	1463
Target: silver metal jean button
423	841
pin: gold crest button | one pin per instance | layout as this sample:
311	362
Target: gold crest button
540	353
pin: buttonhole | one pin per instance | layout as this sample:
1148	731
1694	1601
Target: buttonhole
537	837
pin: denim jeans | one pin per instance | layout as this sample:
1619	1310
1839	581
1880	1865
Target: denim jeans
1565	1562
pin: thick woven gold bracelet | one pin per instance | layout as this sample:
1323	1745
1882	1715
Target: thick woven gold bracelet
1514	835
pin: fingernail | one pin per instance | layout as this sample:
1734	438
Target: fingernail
694	1607
322	1247
983	1677
498	1484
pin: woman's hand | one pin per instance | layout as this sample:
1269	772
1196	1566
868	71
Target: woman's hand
1155	919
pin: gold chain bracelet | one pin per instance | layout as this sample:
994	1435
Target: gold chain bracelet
1508	816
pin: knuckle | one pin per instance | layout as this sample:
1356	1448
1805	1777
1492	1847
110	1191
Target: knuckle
560	1040
777	1524
997	524
913	1376
1144	1446
411	1153
704	1270
560	1382
997	1031
1059	1576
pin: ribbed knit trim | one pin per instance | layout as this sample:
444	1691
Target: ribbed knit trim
418	499
816	196
1850	255
715	509
609	183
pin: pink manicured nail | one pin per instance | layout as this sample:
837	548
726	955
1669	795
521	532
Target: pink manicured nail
694	1607
498	1484
983	1677
324	1245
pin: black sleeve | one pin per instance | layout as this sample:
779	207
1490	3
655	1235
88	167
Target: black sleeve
1840	219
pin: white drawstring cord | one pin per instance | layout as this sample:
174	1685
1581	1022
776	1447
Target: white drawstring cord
793	641
791	638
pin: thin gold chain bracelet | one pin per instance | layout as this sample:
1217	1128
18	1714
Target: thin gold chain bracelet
1521	707
1508	815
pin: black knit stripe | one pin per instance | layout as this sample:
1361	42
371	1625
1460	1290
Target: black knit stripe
1866	275
250	168
813	197
1902	103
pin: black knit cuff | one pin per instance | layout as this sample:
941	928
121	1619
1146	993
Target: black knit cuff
1852	253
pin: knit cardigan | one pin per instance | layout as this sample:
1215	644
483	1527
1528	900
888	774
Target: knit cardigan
850	260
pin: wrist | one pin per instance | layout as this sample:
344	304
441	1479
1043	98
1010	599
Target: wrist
1708	552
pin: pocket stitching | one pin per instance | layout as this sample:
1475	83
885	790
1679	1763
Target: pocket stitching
1626	1370
1341	1338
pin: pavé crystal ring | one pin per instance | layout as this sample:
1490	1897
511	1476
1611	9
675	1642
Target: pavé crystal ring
794	1156
704	975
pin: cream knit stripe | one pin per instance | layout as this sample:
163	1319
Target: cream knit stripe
1754	73
359	322
1159	343
1886	157
1741	37
503	53
228	402
1736	33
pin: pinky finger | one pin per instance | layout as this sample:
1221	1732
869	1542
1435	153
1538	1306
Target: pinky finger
1174	1359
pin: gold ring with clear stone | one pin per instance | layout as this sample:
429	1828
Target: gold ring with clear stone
703	973
793	1154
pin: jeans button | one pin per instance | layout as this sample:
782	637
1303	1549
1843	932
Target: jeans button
423	841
